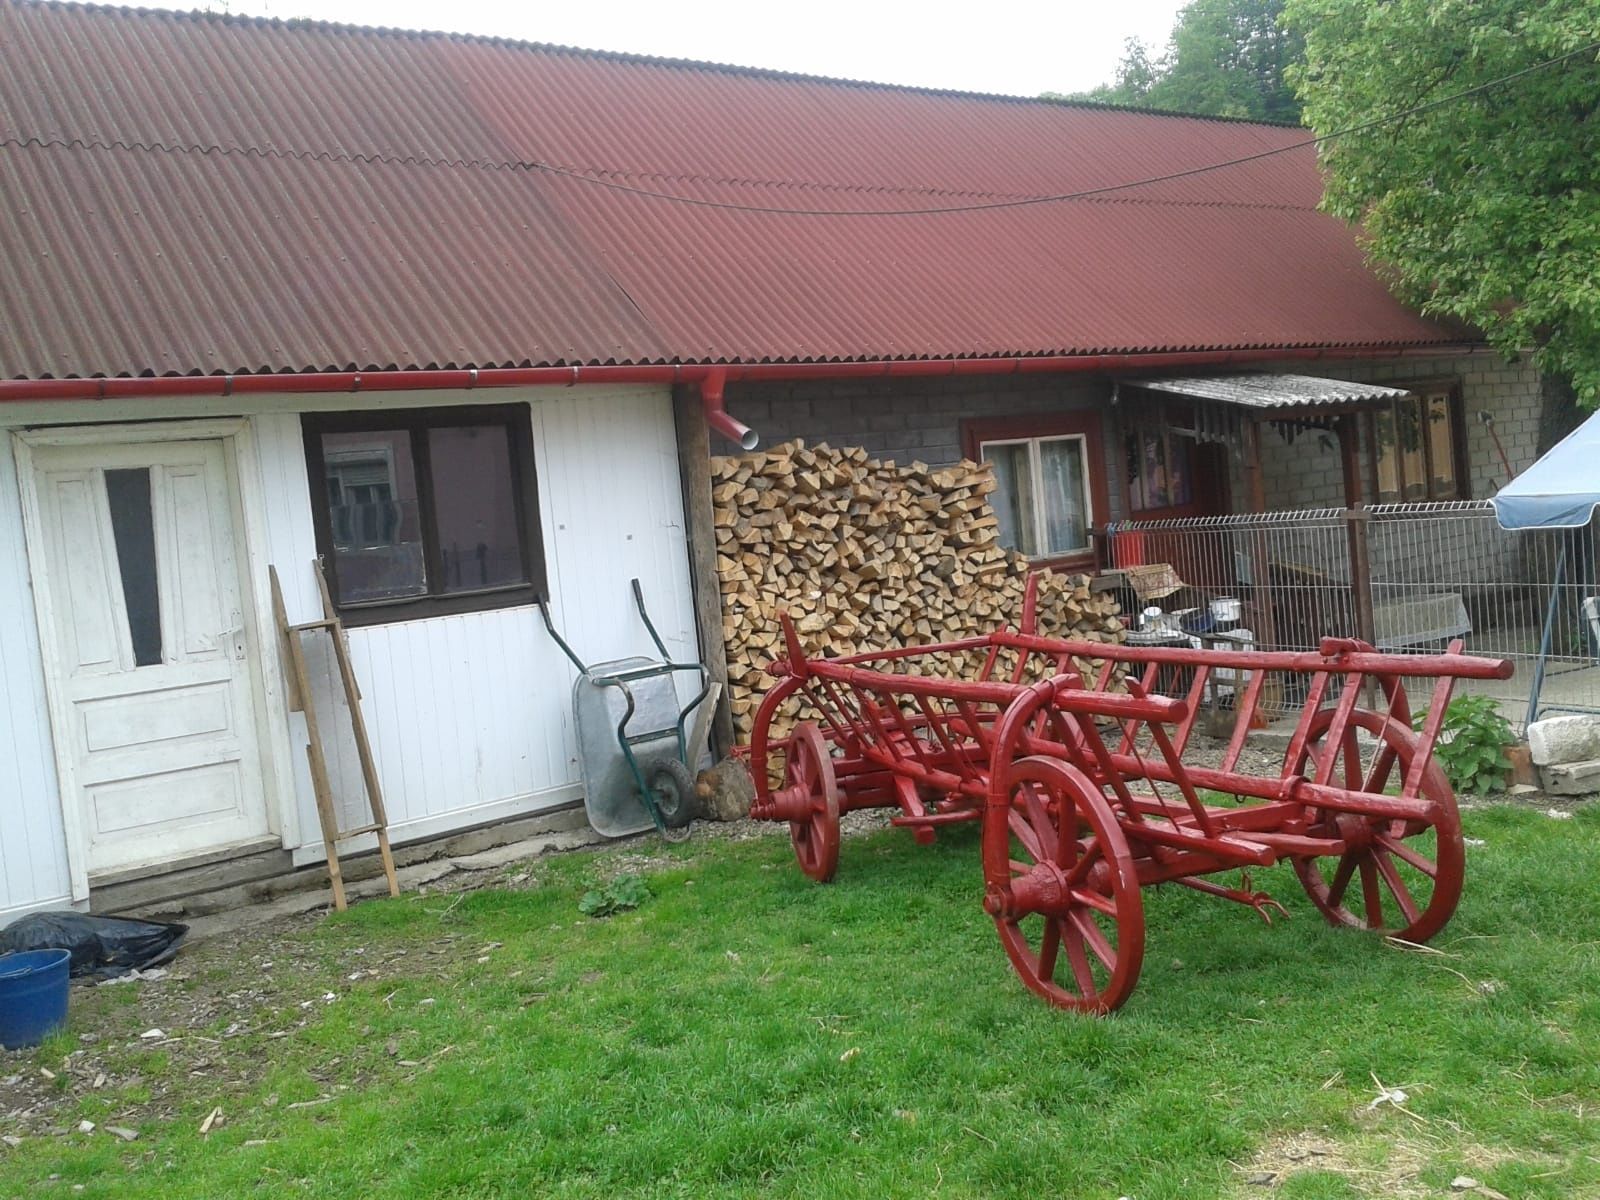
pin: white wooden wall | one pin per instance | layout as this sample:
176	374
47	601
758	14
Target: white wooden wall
33	854
470	716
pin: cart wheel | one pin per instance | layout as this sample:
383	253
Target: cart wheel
672	788
1409	872
1062	888
809	771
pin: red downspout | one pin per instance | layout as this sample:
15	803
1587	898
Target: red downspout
711	378
718	417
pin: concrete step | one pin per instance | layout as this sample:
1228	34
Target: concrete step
225	888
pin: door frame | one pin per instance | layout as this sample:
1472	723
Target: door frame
247	498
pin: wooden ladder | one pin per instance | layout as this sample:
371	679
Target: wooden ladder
301	701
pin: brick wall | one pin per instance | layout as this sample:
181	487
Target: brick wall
907	419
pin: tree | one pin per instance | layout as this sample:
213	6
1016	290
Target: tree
1486	209
1226	58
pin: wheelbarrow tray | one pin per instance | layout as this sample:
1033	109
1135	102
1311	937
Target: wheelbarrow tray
610	795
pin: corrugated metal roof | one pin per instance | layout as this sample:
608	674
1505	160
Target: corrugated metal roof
190	192
1258	389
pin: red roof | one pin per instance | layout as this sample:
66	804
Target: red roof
197	193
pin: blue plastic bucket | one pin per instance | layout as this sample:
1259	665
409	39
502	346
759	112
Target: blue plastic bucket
33	995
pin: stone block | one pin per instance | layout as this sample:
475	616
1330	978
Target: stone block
1572	779
1574	738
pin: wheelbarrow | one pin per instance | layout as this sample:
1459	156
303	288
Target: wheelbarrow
635	748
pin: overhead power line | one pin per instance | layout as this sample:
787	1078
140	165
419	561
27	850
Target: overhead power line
1084	194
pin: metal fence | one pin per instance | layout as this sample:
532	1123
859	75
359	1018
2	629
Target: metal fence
1407	577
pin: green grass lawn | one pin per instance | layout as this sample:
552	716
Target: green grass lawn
748	1032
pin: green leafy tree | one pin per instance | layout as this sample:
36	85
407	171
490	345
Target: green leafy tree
1226	58
1484	210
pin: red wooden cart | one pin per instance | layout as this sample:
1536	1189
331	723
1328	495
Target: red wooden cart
1076	767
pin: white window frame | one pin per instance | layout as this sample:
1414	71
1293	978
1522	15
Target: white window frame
1036	470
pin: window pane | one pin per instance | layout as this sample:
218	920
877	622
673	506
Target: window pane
1388	456
1441	448
372	508
475	506
1013	499
1411	434
1065	517
1136	500
1180	481
1155	471
133	530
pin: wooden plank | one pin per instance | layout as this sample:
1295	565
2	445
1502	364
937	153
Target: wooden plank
358	723
694	466
301	685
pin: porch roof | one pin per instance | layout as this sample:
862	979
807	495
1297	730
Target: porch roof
1269	393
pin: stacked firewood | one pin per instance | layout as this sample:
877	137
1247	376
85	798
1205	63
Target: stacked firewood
866	555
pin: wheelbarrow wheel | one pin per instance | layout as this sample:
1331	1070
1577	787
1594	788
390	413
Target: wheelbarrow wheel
672	788
1401	878
808	771
1062	888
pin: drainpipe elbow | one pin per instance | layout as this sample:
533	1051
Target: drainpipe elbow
719	418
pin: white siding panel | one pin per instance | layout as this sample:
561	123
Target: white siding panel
468	713
33	848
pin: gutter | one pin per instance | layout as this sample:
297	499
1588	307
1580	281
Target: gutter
711	379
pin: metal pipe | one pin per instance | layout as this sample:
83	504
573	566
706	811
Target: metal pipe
719	418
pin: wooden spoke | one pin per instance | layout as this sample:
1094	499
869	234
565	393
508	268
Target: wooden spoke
1096	939
1406	854
1370	895
1397	887
1341	879
1049	943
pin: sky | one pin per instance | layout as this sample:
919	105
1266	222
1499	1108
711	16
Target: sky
1010	47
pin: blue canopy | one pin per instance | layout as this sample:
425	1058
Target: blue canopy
1561	490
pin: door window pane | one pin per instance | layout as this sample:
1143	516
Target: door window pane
1409	413
1062	469
373	514
1441	448
1388	456
1013	499
475	506
133	530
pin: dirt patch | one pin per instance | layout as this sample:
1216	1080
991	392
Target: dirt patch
1382	1164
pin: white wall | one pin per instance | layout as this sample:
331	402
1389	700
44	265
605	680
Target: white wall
470	716
33	853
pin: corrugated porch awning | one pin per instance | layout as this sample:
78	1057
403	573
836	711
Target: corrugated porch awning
1231	409
1271	394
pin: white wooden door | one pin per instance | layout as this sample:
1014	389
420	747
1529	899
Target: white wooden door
154	694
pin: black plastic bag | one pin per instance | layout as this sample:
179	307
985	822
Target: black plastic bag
102	947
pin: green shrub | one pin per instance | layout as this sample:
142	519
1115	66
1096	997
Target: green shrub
1472	744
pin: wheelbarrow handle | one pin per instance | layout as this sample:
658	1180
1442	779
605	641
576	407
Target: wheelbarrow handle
544	611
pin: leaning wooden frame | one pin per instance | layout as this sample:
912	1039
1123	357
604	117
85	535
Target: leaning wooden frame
1075	765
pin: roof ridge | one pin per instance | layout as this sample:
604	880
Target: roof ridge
605	175
775	73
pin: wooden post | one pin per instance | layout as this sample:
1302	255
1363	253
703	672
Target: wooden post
1265	620
694	465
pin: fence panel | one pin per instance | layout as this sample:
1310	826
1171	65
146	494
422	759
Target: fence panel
1429	572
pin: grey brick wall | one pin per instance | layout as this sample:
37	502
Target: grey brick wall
907	419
